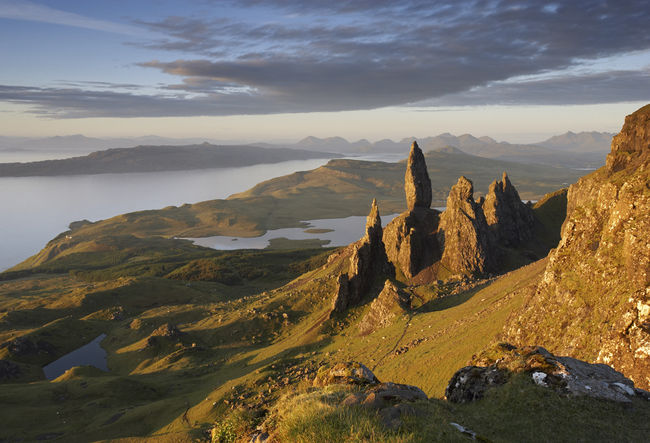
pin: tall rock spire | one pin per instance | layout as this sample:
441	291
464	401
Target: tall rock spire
368	265
417	184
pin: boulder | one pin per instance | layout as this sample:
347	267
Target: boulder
351	372
390	302
564	375
463	233
509	220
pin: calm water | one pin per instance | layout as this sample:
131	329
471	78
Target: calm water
91	354
345	231
36	209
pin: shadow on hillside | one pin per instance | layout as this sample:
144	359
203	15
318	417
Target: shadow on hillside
450	301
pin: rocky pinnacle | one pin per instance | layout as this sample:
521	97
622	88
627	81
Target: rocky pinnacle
417	184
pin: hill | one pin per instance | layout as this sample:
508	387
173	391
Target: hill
158	158
587	142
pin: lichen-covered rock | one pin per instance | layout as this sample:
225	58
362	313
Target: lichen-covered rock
417	184
390	302
593	301
463	233
351	372
510	221
565	375
368	263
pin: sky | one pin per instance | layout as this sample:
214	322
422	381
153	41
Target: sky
280	70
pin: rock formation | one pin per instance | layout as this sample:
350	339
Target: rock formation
510	221
417	184
410	238
594	299
367	263
390	302
463	233
564	375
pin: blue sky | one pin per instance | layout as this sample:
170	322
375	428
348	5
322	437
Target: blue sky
284	69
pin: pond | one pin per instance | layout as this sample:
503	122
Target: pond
91	354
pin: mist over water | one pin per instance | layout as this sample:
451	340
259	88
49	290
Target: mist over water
36	209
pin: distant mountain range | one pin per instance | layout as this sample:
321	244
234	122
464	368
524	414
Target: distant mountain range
577	150
582	150
158	158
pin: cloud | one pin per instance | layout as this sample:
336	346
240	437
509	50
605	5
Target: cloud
594	88
329	56
30	11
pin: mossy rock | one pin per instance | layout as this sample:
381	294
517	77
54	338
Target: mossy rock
351	372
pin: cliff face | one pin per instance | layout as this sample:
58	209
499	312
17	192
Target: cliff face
594	299
463	233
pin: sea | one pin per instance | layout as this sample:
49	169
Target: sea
37	209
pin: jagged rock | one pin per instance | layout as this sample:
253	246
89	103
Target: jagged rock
463	233
510	221
167	330
630	147
368	262
8	370
390	302
593	301
352	372
565	375
411	242
417	184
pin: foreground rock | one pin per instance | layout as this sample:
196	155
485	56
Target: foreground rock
593	301
389	399
352	373
564	375
368	263
390	302
463	233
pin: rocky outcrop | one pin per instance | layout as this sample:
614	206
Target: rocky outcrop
410	238
9	370
368	263
593	301
390	302
510	221
463	233
350	373
564	375
417	184
411	242
388	399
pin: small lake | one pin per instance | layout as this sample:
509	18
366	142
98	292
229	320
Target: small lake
91	354
342	231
